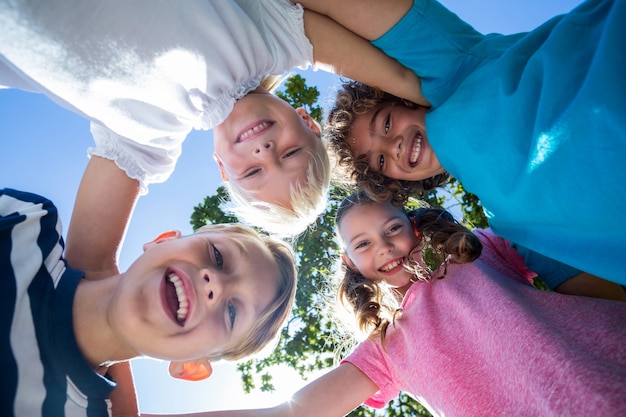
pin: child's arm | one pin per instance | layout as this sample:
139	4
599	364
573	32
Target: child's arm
565	279
592	286
334	394
369	19
123	398
102	210
340	51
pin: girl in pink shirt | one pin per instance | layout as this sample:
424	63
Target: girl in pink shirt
470	338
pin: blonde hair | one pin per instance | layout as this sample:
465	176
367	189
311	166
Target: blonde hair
266	327
308	200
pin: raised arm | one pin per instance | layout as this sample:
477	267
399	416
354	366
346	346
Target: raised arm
340	51
334	394
104	204
369	19
102	210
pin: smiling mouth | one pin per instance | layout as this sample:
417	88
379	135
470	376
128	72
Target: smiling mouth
176	298
252	131
388	267
416	150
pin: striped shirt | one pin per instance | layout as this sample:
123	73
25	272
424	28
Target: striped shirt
42	369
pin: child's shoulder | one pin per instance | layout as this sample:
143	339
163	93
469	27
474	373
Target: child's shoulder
15	202
498	253
36	216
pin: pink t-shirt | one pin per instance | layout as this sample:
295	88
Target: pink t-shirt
484	342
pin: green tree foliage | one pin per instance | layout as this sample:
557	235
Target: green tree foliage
298	94
308	342
209	212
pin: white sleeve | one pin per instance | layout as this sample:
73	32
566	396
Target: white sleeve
147	163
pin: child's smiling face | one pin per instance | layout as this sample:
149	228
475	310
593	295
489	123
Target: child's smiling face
377	239
264	147
194	296
393	138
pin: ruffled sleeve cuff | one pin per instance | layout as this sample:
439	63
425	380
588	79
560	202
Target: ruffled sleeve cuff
147	163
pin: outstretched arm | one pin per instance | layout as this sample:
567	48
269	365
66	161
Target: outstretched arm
340	51
334	394
565	279
591	286
102	210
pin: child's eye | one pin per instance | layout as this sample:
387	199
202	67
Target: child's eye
387	124
395	228
292	153
219	259
361	245
232	314
252	173
381	163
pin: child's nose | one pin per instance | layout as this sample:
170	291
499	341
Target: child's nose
384	247
264	148
212	288
398	147
395	147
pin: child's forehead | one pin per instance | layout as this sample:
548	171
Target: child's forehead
383	211
240	238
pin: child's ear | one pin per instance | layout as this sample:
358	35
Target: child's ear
192	370
221	166
310	122
169	235
348	262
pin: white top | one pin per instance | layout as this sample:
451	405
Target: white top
145	72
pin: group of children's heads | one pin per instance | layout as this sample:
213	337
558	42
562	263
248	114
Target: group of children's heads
277	171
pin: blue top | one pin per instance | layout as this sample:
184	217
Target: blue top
539	124
43	371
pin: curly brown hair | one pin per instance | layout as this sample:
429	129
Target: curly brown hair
372	304
355	98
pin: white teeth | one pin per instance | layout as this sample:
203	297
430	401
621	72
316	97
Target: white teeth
253	130
183	302
390	266
417	149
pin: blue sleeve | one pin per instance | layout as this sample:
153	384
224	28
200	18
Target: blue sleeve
552	272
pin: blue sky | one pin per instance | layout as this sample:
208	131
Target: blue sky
44	151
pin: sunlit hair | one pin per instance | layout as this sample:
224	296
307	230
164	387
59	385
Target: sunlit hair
373	305
267	326
354	98
308	199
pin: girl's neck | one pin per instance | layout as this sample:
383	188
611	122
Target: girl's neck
403	290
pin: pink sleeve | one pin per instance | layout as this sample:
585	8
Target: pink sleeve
368	357
498	253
